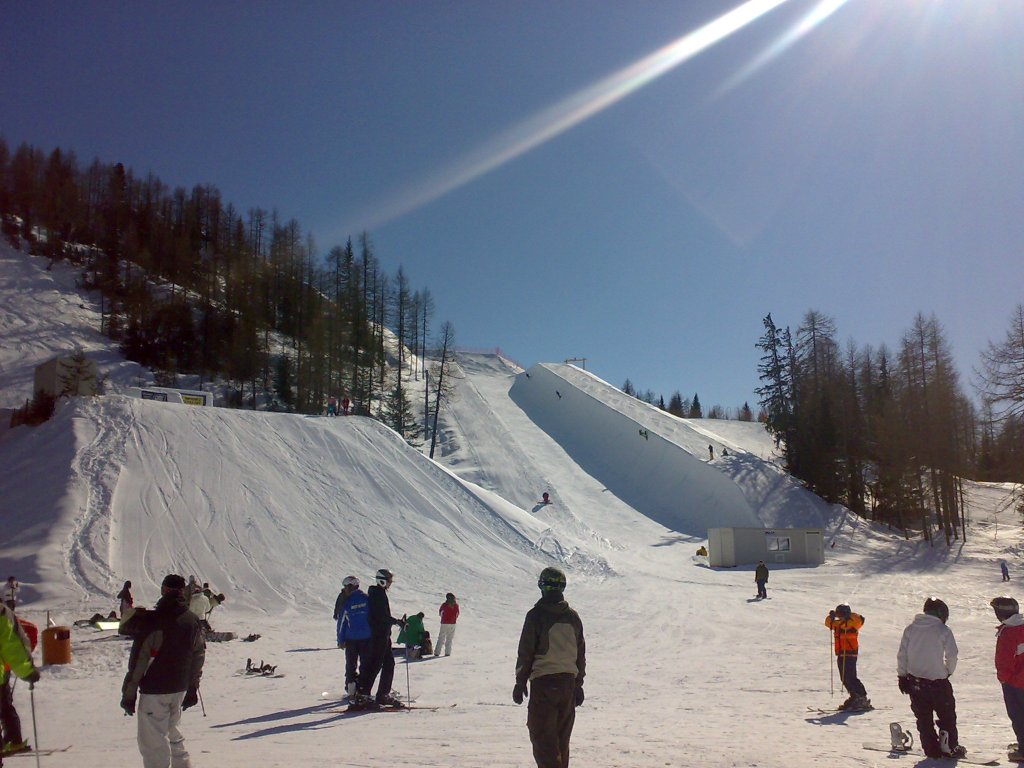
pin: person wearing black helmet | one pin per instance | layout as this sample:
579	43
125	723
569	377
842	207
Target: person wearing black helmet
924	663
845	626
1010	666
550	668
381	659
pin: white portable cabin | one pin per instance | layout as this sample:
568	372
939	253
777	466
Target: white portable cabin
169	395
728	547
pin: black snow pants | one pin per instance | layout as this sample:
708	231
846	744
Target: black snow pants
357	658
550	718
847	663
928	698
8	714
382	661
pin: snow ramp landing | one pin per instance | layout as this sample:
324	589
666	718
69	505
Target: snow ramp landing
654	476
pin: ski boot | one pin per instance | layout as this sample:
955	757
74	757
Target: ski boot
390	701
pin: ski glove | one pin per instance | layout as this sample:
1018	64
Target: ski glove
832	615
128	704
33	677
519	693
905	685
191	698
579	695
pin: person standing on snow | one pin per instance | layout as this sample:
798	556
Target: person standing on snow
15	659
11	587
449	612
353	616
552	661
761	578
126	601
164	669
1010	666
381	659
924	663
1005	570
845	626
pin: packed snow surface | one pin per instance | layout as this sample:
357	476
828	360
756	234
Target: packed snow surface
684	666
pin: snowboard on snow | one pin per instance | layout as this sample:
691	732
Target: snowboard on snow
917	754
837	710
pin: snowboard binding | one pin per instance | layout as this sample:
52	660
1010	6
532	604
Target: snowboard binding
901	741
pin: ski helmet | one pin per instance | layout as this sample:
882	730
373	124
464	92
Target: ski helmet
843	610
384	577
935	607
1004	606
351	581
551	580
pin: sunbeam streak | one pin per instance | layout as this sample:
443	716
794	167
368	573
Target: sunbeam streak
822	11
563	115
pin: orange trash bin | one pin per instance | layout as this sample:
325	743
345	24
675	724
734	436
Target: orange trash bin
57	645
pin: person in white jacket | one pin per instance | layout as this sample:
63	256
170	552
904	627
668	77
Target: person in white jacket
926	659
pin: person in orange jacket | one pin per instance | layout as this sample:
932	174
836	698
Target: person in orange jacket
845	626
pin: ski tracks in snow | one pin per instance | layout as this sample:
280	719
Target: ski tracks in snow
96	469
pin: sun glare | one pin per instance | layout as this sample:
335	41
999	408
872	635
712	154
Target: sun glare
565	114
818	14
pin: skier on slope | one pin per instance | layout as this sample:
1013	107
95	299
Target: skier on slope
845	626
1010	666
353	631
381	659
924	664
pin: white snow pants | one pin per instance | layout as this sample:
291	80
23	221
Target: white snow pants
444	637
160	741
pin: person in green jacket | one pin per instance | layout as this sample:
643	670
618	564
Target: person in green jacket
15	658
412	632
552	661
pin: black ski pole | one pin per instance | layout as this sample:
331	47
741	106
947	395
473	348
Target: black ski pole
35	732
202	705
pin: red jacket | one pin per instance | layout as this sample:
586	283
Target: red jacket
1009	647
449	612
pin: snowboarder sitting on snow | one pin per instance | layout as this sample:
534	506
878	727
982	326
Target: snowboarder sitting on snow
412	634
353	617
845	626
926	659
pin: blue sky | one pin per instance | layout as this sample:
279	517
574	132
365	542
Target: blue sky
862	158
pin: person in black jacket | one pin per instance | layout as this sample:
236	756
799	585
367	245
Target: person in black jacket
164	669
550	667
381	660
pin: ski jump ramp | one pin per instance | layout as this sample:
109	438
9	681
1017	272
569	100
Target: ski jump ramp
657	477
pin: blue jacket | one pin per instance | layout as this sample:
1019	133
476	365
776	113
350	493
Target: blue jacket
354	619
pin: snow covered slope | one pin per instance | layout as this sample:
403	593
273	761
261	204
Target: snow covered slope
684	667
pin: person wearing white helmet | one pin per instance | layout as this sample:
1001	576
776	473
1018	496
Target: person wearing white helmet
1010	666
381	659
